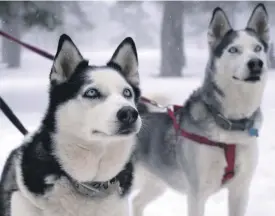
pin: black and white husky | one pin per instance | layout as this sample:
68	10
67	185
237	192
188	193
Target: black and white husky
78	161
214	145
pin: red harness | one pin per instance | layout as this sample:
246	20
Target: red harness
229	149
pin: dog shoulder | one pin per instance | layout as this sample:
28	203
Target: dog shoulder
34	163
8	183
37	164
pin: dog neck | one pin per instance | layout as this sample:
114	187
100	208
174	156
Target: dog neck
94	160
234	100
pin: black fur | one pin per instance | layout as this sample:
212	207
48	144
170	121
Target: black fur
38	163
7	184
224	43
130	41
229	37
118	69
60	93
254	34
125	178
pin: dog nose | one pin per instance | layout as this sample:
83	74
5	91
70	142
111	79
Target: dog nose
127	115
255	66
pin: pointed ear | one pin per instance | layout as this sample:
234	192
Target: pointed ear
258	22
66	60
218	27
126	58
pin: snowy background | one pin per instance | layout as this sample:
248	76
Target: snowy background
25	90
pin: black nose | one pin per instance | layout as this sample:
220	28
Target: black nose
127	115
255	66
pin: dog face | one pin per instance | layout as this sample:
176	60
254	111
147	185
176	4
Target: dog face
240	56
95	102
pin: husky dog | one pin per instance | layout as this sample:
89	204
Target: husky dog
225	110
79	161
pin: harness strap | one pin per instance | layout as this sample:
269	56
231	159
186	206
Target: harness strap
229	149
230	152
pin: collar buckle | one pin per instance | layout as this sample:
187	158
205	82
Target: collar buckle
225	123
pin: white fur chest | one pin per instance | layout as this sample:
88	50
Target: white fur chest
63	199
210	163
99	161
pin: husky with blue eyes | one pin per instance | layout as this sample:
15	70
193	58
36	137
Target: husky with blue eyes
79	160
210	142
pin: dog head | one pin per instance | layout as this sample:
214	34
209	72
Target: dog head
239	56
94	102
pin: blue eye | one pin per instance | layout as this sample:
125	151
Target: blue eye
233	50
92	93
127	93
257	48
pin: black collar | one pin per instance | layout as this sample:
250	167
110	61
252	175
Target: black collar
121	184
95	189
230	124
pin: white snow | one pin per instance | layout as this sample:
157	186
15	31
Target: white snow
25	90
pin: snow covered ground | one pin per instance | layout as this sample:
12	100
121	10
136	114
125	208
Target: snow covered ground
25	90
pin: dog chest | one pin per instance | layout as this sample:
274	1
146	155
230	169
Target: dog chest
211	163
210	166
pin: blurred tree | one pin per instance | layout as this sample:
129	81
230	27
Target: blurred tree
132	16
79	21
172	51
76	9
272	56
18	17
198	10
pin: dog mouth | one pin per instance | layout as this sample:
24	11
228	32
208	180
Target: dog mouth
253	79
249	79
125	131
121	131
96	132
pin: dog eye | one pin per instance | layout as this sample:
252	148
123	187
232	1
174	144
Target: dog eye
127	93
257	48
92	93
233	50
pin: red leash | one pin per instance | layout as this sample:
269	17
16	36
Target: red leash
29	47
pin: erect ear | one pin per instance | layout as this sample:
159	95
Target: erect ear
258	22
66	60
126	58
218	27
